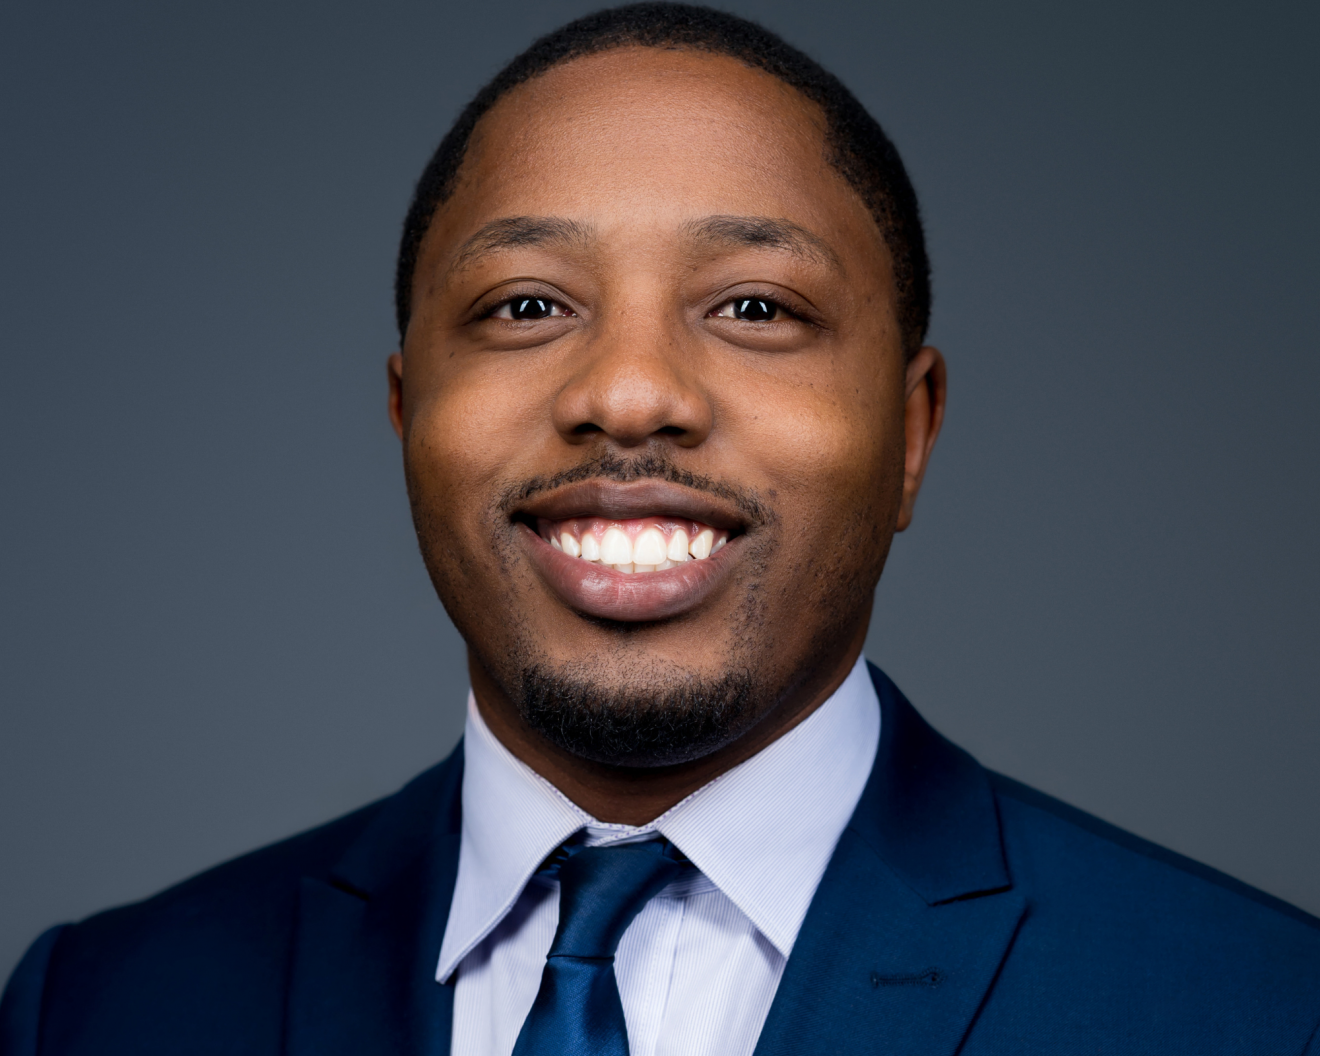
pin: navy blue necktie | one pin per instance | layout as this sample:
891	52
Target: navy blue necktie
577	1011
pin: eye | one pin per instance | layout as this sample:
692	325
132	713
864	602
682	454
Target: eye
523	309
751	310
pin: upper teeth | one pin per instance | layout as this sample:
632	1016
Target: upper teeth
649	544
615	548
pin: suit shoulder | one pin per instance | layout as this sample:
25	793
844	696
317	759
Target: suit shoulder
262	883
1029	811
253	888
1118	930
133	977
208	958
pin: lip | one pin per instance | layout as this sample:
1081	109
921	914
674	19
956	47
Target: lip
636	597
641	498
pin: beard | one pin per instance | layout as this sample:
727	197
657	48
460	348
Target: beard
666	716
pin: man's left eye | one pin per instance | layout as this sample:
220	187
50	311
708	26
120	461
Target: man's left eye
751	310
522	309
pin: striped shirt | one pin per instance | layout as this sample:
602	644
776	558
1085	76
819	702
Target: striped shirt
699	966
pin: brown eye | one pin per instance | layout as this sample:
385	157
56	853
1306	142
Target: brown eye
525	309
754	310
529	308
750	310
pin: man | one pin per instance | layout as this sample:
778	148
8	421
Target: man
664	400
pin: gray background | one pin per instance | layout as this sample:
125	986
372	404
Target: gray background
216	627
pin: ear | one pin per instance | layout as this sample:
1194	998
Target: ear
923	414
394	367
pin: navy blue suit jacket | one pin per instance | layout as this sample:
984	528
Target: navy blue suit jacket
961	912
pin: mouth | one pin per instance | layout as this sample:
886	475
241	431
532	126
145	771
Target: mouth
635	552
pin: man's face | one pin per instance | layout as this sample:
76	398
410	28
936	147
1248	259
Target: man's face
652	404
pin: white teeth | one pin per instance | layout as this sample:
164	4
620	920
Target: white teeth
650	551
615	549
649	547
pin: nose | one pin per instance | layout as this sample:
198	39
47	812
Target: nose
634	387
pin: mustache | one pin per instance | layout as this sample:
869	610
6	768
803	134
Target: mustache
650	466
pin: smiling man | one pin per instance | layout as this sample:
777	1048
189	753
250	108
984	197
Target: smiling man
664	400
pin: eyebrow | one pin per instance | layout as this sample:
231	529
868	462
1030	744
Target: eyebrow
763	231
715	231
516	231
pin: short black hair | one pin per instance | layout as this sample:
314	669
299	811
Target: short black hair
857	146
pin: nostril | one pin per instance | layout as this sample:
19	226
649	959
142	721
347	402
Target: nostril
671	430
586	429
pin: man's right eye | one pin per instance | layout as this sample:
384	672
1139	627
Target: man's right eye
523	309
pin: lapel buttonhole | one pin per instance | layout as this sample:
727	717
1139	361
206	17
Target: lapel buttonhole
927	977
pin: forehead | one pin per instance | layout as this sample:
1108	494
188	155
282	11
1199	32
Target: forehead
652	136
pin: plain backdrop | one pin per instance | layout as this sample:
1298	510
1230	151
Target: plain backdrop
216	628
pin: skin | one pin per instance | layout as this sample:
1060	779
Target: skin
818	414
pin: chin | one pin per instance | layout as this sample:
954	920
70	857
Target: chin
624	707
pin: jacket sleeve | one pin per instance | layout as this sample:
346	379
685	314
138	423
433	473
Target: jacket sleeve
20	1008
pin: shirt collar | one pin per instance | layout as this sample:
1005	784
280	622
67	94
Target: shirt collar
762	832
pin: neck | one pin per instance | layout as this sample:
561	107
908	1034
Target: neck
634	795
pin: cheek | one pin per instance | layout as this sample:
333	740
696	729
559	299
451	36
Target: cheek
829	444
467	431
463	442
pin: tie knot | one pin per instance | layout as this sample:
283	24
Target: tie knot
602	889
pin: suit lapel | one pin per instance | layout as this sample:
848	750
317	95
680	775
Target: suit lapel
915	912
363	974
